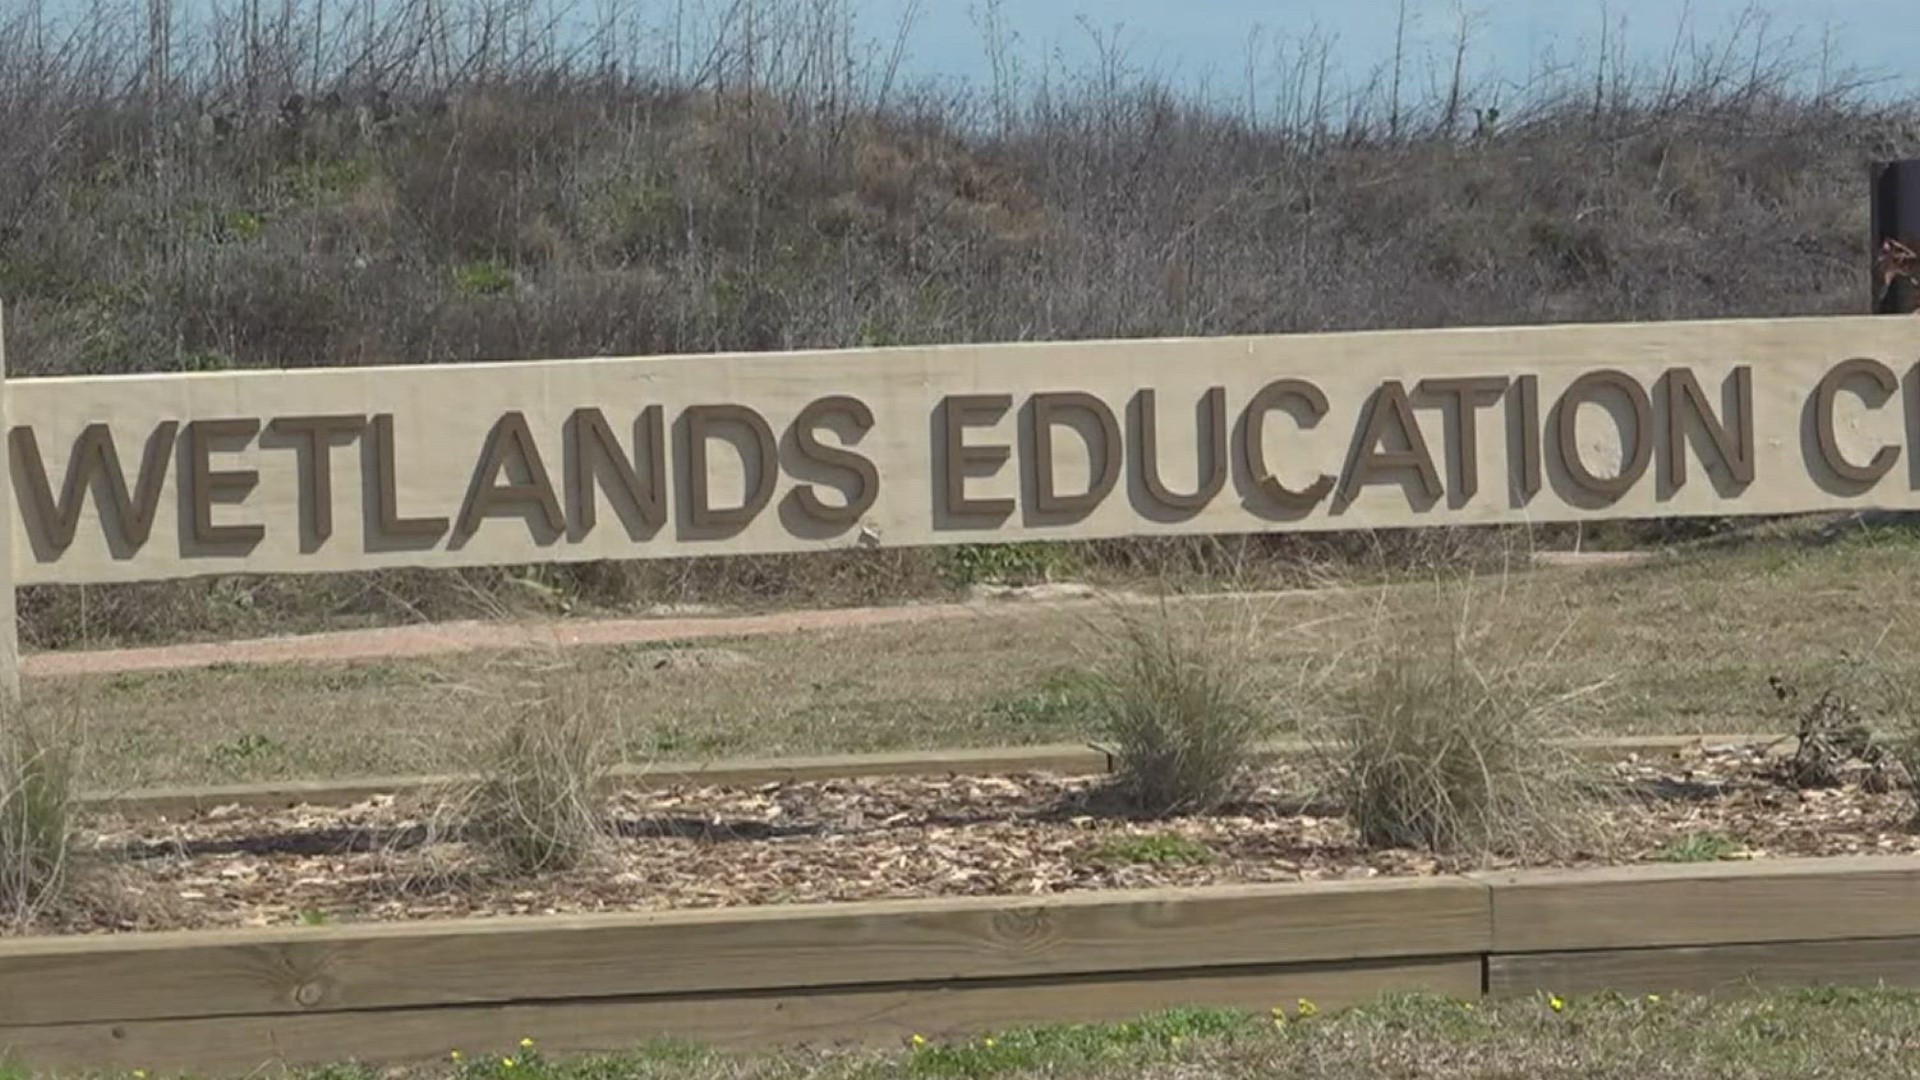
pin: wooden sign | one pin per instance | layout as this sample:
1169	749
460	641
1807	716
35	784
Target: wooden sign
159	476
145	477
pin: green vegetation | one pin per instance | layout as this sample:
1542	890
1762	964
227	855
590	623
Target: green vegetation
1156	849
1701	847
1774	1035
1065	700
1009	564
489	277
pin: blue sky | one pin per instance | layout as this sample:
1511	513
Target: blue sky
1193	40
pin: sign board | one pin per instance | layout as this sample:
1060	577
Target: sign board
159	476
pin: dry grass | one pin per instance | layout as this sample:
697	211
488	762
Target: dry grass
1689	643
39	816
1440	737
1178	702
541	766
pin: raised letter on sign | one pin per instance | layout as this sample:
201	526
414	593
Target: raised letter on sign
595	445
957	414
94	461
700	420
1883	378
1391	407
1735	448
510	442
1584	389
1253	442
1525	402
866	478
1212	440
204	484
1469	394
387	488
1046	410
316	479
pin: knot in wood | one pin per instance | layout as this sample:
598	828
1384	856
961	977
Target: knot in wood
1026	929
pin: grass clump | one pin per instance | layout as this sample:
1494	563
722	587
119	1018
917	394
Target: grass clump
1179	708
1701	847
536	803
1013	565
1444	742
39	819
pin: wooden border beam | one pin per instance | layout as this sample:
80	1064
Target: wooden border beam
1062	758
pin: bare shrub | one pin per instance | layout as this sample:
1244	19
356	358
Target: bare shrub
39	817
1861	724
1178	699
1441	738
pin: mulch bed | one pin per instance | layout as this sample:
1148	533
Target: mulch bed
844	840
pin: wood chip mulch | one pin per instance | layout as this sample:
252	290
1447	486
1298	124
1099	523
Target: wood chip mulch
692	847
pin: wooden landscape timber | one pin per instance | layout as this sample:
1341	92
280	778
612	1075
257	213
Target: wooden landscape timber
1651	929
1065	758
230	1001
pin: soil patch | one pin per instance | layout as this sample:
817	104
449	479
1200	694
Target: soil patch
846	840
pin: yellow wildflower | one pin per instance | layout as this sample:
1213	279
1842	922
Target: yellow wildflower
919	1039
454	1056
1467	1005
1554	1002
526	1044
508	1063
989	1042
1653	999
1308	1008
139	1074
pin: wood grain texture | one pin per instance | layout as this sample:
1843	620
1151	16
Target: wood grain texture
880	1015
1707	904
440	417
1893	962
326	969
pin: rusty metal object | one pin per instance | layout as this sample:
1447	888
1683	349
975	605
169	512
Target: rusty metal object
1896	237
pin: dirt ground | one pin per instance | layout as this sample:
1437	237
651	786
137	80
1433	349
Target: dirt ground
896	838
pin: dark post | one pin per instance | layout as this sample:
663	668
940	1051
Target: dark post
1896	237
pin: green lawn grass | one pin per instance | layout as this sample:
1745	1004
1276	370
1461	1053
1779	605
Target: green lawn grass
1833	1034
